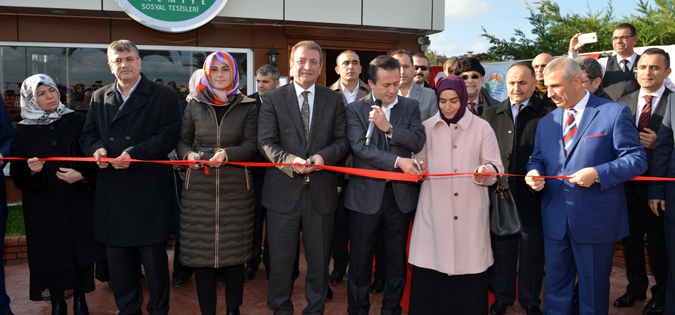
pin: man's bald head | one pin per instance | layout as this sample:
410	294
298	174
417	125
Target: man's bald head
539	64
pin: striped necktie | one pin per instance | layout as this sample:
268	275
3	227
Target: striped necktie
646	113
570	129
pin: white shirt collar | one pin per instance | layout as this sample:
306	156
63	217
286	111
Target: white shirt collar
656	94
580	106
631	59
407	95
299	89
390	105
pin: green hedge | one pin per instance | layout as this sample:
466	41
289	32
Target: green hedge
15	225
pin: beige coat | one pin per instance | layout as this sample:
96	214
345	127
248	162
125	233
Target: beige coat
451	232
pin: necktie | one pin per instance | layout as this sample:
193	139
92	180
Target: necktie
646	113
305	113
472	108
626	70
569	130
517	105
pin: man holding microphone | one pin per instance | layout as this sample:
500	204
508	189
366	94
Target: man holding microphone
397	133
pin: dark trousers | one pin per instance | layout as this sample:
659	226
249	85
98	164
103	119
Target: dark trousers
380	263
284	237
4	298
529	272
260	214
567	259
205	281
436	293
124	273
641	220
363	229
669	228
179	271
340	246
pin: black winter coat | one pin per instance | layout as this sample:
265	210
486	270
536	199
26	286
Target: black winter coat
133	206
501	121
59	216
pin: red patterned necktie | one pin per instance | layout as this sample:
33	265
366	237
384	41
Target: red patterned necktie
646	113
472	108
569	130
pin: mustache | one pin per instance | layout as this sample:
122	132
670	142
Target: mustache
518	93
471	85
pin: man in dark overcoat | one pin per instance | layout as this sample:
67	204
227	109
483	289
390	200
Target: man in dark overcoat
515	124
138	119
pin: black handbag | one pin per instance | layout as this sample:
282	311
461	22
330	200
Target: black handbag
504	219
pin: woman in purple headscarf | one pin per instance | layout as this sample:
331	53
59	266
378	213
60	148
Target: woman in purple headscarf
450	244
218	202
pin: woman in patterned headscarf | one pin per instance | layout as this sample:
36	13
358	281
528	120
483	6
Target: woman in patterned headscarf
58	203
218	202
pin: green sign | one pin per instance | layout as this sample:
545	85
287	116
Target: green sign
172	15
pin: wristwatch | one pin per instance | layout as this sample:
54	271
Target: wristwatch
597	179
390	131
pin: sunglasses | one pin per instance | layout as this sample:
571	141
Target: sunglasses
424	68
466	76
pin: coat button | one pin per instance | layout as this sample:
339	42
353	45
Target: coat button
54	143
455	217
508	154
567	170
454	146
456	127
128	138
111	139
456	194
509	132
455	170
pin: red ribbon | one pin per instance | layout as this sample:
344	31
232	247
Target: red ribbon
341	169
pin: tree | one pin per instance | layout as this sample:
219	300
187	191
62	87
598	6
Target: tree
552	30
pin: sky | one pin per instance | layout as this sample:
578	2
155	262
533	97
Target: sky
500	18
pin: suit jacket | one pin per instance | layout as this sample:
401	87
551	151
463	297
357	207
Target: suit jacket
364	90
516	143
654	124
364	194
133	206
281	138
606	139
663	164
426	99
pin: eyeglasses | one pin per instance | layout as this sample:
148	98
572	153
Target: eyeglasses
466	76
621	38
118	61
424	68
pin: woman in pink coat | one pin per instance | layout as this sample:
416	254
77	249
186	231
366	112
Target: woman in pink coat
450	245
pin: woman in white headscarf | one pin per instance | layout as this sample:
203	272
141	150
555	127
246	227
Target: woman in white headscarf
57	198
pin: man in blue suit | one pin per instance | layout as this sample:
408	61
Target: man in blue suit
594	142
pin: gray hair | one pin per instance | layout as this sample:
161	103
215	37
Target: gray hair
267	69
569	68
448	63
591	66
122	45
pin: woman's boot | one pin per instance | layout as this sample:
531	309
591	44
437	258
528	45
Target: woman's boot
80	304
59	307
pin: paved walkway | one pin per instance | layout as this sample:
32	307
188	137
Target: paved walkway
184	299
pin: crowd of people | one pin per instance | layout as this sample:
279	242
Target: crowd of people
599	123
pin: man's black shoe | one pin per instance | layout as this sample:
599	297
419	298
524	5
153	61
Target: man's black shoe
499	308
177	282
627	300
249	273
654	307
336	277
329	295
233	311
377	286
533	310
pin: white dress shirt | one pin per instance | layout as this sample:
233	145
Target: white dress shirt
580	107
387	113
350	96
407	95
310	99
641	102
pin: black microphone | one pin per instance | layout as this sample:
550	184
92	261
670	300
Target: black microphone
371	127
